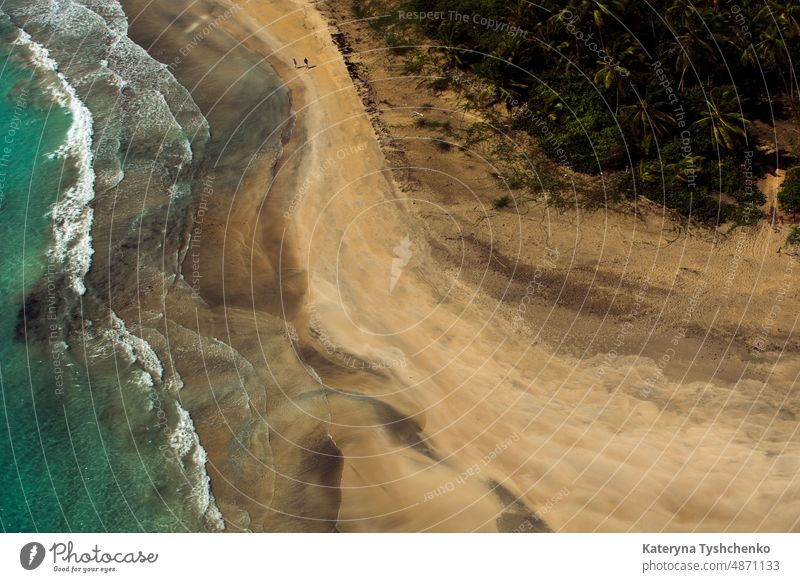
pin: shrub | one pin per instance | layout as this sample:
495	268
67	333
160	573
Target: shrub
569	119
414	64
732	181
746	215
439	84
794	236
398	43
789	194
502	202
573	101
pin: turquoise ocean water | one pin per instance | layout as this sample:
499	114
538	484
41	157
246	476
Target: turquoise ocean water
87	445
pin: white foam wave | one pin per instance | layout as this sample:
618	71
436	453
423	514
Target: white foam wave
161	103
40	56
143	379
137	350
111	12
186	444
183	439
71	214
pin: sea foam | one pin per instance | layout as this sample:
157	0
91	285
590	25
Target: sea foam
72	216
183	439
136	349
159	103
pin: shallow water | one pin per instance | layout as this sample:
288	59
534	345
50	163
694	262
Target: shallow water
91	432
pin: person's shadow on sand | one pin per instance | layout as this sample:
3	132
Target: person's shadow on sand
305	64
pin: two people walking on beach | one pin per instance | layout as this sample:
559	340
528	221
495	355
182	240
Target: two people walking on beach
296	66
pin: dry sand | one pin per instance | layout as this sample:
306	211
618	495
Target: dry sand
449	367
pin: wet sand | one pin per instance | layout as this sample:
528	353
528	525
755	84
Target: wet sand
272	465
355	360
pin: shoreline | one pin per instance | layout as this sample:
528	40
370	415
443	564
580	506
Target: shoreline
390	448
235	391
94	337
306	310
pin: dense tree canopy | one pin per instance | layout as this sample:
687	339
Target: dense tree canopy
669	88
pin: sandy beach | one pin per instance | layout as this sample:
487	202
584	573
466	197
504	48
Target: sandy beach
375	347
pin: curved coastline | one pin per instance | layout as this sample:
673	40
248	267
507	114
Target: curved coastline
424	444
270	469
111	395
334	424
302	298
274	409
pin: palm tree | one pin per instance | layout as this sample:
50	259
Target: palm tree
649	171
649	117
507	52
685	165
784	14
681	12
601	10
612	74
727	125
691	50
779	25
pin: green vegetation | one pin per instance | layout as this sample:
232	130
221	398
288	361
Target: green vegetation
443	144
414	64
794	236
502	202
665	94
789	195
